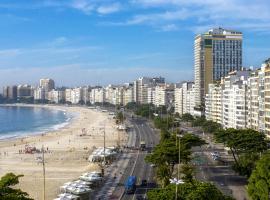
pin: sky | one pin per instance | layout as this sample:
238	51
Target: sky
97	42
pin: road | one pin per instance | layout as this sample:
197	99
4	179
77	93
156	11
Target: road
139	167
131	162
220	172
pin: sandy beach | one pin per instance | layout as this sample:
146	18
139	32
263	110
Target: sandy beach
67	151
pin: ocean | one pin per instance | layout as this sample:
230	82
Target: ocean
18	121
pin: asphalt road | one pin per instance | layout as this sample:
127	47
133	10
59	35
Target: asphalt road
140	168
220	172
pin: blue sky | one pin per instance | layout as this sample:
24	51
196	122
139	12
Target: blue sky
78	42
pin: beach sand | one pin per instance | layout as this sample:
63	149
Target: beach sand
68	151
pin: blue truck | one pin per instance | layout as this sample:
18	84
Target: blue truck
130	185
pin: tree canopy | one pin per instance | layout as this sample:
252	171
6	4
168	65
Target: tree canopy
259	181
245	146
7	192
188	191
166	154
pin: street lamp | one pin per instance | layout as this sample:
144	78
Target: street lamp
178	167
177	182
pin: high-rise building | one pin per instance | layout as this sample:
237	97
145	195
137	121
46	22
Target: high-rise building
184	98
127	95
235	100
216	53
141	86
25	90
47	84
10	92
39	93
213	103
178	100
267	97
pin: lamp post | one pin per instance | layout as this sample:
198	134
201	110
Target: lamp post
178	167
43	165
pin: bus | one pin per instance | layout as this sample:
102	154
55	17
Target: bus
130	185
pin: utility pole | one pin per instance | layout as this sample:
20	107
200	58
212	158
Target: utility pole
104	145
43	164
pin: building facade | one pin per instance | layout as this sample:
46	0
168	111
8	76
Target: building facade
216	53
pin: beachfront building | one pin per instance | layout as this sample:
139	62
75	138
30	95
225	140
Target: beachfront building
86	94
266	65
184	101
39	93
128	94
68	92
188	97
235	100
47	84
256	98
217	52
151	95
56	96
76	95
97	95
25	91
213	103
10	92
178	100
114	94
164	95
141	86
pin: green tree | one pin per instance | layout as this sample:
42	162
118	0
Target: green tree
198	121
259	181
120	118
187	117
211	127
188	191
243	143
7	192
166	154
188	171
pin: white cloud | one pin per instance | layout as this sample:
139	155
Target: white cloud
83	5
169	27
108	9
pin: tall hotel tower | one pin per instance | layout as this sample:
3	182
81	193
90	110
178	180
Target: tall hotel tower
216	53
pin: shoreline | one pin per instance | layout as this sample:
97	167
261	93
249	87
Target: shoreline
72	116
67	152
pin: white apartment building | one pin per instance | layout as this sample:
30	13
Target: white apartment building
56	96
48	85
114	95
184	101
76	95
164	95
39	93
213	103
256	100
68	92
97	95
235	100
267	97
86	94
127	95
178	100
151	95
